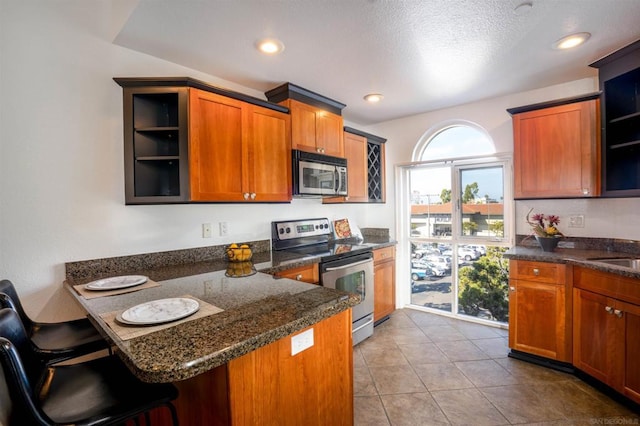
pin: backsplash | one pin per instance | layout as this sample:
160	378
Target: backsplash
612	245
604	218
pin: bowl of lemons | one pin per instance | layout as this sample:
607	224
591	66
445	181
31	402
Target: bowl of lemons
239	252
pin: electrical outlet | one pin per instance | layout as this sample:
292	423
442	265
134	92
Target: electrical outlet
301	341
224	229
576	221
206	230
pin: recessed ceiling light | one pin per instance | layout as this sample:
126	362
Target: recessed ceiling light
373	97
572	40
270	46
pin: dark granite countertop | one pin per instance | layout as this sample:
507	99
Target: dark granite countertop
585	258
258	309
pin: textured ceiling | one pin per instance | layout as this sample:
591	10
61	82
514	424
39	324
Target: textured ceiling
421	54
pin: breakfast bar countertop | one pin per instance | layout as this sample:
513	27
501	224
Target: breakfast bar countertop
256	310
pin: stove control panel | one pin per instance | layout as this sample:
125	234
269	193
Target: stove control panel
302	228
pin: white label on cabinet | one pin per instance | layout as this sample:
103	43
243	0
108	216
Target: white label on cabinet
301	341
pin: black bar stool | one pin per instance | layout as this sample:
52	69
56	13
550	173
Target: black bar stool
98	392
56	341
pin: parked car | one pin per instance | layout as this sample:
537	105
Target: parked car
418	274
481	250
436	270
464	254
443	262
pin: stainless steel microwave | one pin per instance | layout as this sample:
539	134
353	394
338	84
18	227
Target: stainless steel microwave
318	175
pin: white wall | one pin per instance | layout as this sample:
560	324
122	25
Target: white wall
61	155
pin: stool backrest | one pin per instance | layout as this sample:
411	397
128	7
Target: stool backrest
7	288
21	367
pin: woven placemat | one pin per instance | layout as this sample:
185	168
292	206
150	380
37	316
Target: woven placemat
92	294
126	332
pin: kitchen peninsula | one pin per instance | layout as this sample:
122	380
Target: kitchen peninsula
233	366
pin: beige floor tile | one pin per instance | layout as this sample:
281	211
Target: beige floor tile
422	353
526	372
461	350
483	373
442	333
363	382
358	358
368	411
477	331
468	407
521	404
568	397
443	376
398	320
497	347
413	409
396	379
424	319
409	336
379	357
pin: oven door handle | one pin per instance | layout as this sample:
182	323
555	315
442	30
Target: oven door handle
349	265
363	325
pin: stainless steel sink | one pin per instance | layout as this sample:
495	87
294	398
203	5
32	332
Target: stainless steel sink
626	262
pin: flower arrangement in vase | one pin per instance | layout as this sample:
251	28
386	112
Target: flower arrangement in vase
545	229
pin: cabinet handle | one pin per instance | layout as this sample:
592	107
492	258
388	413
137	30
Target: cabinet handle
253	195
536	271
512	288
319	150
617	313
246	195
585	191
609	309
299	277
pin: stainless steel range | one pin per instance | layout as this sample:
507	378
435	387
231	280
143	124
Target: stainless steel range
345	264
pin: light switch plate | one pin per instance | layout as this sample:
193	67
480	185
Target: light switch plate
301	341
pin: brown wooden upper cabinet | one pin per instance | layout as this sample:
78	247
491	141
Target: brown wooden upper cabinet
556	151
365	159
237	151
186	141
316	121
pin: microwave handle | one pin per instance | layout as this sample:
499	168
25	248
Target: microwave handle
338	181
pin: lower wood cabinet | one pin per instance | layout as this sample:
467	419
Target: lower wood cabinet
540	309
384	294
270	386
308	274
607	331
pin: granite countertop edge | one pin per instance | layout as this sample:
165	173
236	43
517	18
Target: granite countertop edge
585	258
186	370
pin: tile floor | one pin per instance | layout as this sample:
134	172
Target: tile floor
423	369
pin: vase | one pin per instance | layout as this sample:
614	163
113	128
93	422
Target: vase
548	243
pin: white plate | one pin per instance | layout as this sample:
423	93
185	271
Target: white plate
115	283
159	311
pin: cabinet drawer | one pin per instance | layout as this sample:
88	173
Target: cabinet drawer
537	271
384	254
608	284
307	273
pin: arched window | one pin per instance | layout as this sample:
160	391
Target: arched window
456	216
454	139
